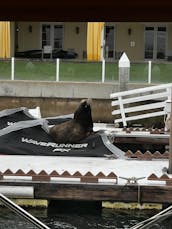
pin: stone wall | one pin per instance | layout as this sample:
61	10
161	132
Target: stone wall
57	98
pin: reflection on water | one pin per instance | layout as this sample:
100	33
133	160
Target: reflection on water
106	219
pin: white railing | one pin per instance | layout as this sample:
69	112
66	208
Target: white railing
57	68
21	212
128	106
103	70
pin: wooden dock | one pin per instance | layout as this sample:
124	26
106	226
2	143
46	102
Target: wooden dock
120	176
97	192
89	179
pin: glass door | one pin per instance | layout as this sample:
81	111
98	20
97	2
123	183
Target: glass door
58	36
149	42
52	35
155	43
46	35
109	41
161	43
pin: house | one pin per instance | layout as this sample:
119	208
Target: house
140	40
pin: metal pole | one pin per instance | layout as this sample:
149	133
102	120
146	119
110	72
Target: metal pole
149	71
154	219
21	212
103	70
57	69
102	55
170	140
12	68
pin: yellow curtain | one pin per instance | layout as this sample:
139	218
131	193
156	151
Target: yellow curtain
4	39
94	37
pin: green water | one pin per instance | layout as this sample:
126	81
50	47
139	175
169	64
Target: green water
104	219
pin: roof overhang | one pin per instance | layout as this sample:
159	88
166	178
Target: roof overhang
86	10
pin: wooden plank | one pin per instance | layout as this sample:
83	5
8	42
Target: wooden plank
141	140
129	193
141	98
142	108
136	117
122	111
141	90
93	192
40	178
160	194
89	179
169	182
87	192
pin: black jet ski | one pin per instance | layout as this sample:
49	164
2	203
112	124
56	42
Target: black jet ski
23	134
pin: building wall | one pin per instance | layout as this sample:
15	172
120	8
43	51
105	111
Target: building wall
129	37
26	39
75	40
72	40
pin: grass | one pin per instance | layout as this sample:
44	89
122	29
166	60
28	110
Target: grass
28	70
35	70
83	71
80	71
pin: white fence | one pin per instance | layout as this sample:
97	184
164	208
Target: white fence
103	70
58	69
128	108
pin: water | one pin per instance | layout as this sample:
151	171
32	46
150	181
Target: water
104	219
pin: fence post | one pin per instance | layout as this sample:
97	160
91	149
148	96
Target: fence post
124	72
170	139
57	69
103	70
12	68
149	71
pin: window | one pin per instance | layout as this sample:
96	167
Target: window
52	35
109	41
58	36
46	33
161	43
149	42
155	42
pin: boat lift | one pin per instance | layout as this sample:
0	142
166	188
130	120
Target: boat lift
21	212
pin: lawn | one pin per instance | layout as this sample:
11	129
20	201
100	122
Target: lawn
83	71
